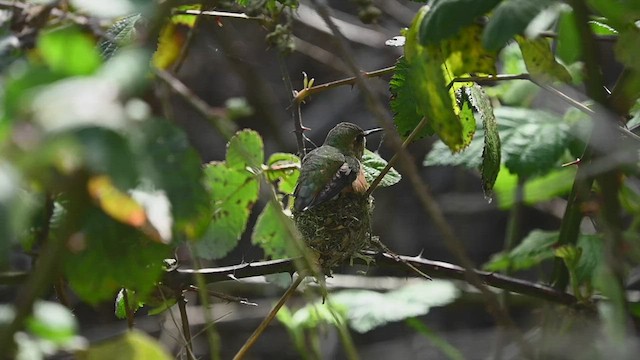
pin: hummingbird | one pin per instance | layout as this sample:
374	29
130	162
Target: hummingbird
333	168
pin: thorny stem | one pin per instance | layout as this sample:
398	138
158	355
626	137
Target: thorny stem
305	93
267	320
296	114
436	269
428	202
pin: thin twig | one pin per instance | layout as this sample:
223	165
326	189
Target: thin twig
186	329
395	156
223	14
296	114
267	320
305	93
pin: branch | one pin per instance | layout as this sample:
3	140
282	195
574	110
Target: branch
305	93
436	269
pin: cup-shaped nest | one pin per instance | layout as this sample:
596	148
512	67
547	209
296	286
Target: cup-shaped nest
338	229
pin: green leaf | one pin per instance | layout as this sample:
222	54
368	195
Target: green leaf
283	168
569	48
627	48
133	345
465	55
536	189
373	164
169	164
532	141
53	322
509	18
120	306
471	157
69	51
120	34
620	13
367	310
447	17
404	101
592	249
245	150
118	256
434	101
535	248
233	193
540	61
187	20
271	233
491	153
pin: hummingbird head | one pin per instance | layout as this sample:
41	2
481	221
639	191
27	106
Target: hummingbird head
349	138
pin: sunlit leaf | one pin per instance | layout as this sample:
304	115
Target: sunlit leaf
430	87
373	164
133	345
170	42
271	232
491	153
367	310
116	203
121	306
404	102
284	169
69	51
536	189
540	61
186	19
245	150
53	322
233	193
569	48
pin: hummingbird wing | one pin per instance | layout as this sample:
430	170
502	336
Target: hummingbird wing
324	174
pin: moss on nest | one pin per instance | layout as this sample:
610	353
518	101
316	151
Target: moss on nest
338	229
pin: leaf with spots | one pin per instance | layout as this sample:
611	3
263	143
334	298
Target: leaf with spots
271	233
491	153
540	61
509	18
233	193
465	54
447	17
245	150
284	169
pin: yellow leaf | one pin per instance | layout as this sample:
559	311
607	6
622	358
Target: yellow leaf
170	42
539	59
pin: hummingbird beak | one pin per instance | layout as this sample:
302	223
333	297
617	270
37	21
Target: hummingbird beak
371	131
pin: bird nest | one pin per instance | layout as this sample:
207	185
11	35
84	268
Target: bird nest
338	229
